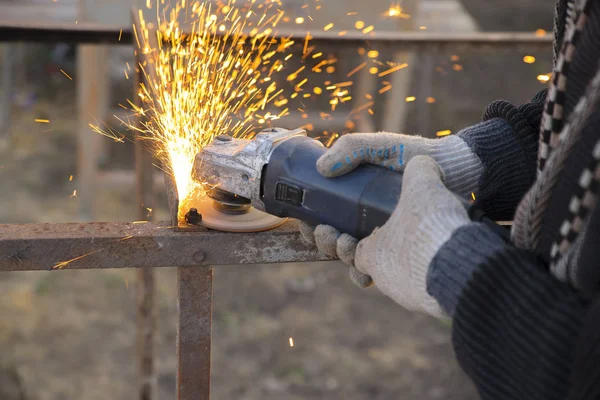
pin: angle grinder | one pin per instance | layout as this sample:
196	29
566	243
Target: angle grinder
259	182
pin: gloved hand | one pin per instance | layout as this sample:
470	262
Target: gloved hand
462	169
398	254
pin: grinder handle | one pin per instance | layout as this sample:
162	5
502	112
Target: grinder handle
355	203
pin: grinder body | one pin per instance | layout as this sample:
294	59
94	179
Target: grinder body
276	172
355	203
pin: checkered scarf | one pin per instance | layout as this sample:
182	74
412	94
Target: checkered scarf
557	138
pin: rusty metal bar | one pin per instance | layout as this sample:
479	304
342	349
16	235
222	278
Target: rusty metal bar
129	245
194	304
41	31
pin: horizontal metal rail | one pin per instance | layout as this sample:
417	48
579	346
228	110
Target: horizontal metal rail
40	31
144	245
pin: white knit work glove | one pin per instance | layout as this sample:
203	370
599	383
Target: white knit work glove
462	171
461	167
397	255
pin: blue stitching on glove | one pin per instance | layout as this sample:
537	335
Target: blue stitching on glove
354	153
401	155
336	166
380	153
386	153
348	161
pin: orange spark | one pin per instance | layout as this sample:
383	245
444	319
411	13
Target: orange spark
63	264
65	74
393	69
355	70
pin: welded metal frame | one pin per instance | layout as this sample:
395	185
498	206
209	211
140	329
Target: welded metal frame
193	251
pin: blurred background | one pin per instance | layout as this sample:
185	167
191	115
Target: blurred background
71	334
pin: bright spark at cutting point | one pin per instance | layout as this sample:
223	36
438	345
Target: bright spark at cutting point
540	32
410	99
443	133
209	80
291	342
430	100
219	76
42	121
529	59
473	195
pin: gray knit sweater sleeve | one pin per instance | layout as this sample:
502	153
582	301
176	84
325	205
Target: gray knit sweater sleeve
506	143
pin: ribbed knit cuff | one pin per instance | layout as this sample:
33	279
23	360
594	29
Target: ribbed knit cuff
508	169
453	265
461	167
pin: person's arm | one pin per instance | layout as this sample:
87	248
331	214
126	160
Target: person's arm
514	325
585	379
506	142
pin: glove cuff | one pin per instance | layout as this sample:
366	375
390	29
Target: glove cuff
432	234
461	167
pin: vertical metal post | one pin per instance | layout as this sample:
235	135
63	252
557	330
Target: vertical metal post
194	305
92	98
145	276
6	87
145	332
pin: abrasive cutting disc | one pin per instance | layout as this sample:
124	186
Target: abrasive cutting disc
253	221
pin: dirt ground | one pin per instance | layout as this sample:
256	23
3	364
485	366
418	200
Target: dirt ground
71	334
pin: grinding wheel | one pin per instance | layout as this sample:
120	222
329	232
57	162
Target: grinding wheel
253	221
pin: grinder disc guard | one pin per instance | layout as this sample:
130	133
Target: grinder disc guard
225	212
